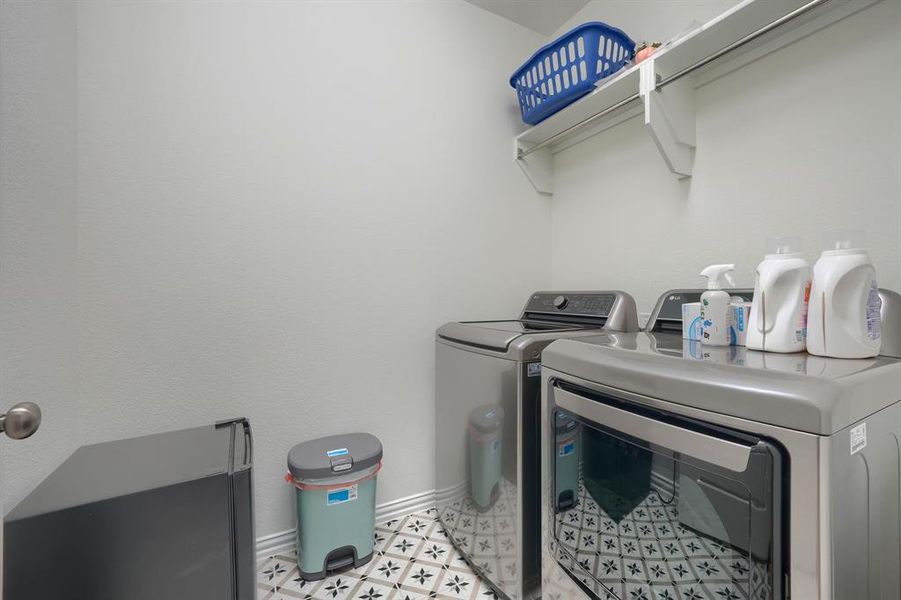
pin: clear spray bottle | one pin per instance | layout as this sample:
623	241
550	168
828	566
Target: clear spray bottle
715	305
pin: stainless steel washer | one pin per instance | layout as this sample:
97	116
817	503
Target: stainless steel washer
487	428
721	473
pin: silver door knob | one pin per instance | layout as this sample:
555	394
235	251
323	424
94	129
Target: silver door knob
21	421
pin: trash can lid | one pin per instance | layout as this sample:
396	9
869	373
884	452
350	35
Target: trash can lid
334	455
487	418
565	423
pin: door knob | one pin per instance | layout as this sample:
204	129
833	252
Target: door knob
21	421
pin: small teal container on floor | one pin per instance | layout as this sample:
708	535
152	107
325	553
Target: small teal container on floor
486	428
335	479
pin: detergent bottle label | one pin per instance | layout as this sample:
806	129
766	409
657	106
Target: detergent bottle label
801	329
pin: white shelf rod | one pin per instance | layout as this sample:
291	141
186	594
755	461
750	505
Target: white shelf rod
737	44
573	128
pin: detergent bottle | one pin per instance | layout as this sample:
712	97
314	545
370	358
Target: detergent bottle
844	318
778	320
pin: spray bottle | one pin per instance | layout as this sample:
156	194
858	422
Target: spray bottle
715	306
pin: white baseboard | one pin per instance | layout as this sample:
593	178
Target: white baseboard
284	541
447	495
275	543
404	506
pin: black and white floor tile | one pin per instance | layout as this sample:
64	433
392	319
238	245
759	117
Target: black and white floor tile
650	555
413	560
488	535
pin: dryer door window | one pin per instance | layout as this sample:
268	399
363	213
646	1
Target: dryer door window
651	506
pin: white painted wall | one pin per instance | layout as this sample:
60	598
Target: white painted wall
38	145
279	203
806	141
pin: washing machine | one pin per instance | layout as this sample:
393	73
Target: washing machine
487	450
723	473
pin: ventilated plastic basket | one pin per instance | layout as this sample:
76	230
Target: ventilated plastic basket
567	68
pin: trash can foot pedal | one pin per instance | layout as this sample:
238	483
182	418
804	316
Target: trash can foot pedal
341	558
338	560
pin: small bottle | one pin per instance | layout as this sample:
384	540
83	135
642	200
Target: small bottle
715	307
778	320
843	319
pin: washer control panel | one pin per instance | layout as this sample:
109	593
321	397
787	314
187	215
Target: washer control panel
571	303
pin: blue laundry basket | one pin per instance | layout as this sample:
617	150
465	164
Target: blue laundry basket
566	69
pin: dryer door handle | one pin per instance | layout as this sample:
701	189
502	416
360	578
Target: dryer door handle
714	450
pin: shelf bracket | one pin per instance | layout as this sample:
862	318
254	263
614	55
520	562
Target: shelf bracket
538	167
669	114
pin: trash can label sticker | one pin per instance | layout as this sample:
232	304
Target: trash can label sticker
534	370
567	449
342	495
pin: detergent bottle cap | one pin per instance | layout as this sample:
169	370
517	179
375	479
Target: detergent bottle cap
716	274
847	242
783	247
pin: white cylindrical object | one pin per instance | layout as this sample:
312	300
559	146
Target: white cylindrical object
715	309
715	318
739	317
778	321
844	313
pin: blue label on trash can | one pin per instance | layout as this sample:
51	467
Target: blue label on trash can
337	452
567	449
342	495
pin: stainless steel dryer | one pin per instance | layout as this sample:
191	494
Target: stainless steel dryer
487	428
720	473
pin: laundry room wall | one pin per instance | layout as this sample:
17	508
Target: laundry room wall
38	146
805	141
279	203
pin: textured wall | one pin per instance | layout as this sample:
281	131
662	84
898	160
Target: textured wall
38	146
279	203
806	141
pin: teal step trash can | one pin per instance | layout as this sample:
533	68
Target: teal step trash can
486	428
334	479
566	462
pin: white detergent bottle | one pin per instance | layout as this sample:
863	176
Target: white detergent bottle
778	320
715	307
843	319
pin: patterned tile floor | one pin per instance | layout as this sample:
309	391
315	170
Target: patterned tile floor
413	560
487	536
649	555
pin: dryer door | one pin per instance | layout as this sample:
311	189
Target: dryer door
652	505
